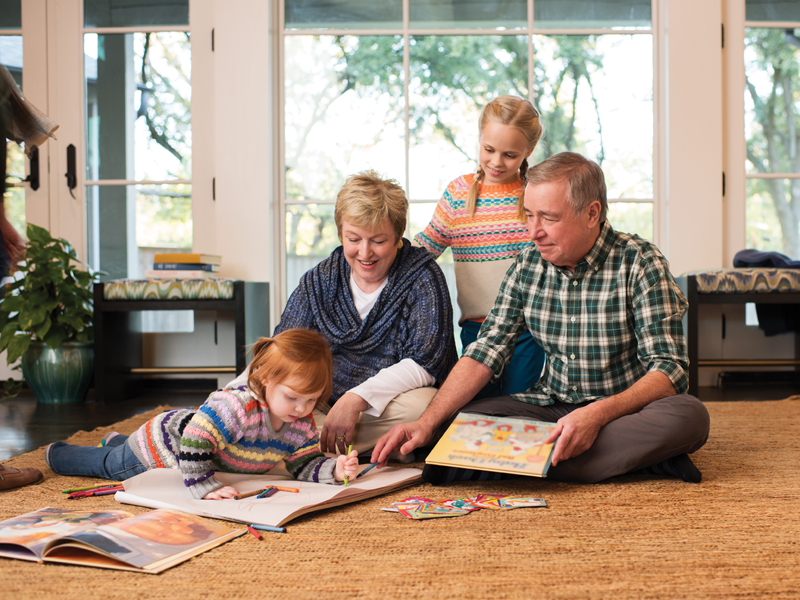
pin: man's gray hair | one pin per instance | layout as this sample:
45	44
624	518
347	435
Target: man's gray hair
585	180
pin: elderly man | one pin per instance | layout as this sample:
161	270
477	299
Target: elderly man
607	312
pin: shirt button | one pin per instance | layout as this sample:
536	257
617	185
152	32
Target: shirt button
574	283
572	356
574	388
572	319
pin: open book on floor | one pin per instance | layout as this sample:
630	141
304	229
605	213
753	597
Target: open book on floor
502	444
163	488
112	539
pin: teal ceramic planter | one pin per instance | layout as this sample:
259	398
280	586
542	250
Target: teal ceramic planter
59	376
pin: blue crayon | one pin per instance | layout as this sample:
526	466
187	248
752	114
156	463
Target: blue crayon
268	528
372	466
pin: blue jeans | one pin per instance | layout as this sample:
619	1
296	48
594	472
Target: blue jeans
521	372
114	461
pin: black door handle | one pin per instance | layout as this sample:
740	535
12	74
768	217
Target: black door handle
33	177
71	174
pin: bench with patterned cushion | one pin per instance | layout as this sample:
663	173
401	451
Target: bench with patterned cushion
734	286
210	288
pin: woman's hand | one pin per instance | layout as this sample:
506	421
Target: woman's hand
221	493
346	465
337	432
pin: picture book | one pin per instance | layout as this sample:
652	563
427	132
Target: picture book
501	444
114	539
163	488
187	257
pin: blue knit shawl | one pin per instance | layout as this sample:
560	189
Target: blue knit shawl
412	318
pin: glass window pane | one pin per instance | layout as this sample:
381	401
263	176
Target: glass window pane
11	55
590	104
591	14
772	100
772	10
310	237
451	79
772	225
125	223
118	13
138	101
632	217
11	58
343	14
343	112
14	201
470	14
11	14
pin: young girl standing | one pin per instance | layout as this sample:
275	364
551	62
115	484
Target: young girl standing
481	218
238	429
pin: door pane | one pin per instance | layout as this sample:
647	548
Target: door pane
113	13
343	112
772	100
772	10
595	14
11	14
138	100
632	217
343	14
11	59
472	14
451	78
772	225
590	104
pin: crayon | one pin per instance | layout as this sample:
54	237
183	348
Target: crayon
254	532
268	528
266	493
248	494
372	466
346	478
108	492
91	487
285	489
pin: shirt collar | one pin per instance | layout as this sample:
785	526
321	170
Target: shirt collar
597	255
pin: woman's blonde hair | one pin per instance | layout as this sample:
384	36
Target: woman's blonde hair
366	200
295	353
515	112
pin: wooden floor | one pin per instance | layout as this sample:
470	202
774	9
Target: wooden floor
25	425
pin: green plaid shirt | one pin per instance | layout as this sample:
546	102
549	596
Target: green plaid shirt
603	327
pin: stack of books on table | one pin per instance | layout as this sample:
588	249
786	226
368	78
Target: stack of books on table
184	266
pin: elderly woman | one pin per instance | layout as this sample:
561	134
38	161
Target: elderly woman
384	308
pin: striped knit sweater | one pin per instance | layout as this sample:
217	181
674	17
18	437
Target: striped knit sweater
484	245
231	432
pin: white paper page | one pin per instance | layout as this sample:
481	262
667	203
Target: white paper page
163	488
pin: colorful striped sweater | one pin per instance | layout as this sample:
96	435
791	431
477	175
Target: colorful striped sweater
231	432
484	245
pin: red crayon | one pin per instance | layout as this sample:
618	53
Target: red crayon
254	532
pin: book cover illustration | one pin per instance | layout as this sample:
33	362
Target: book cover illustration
149	542
502	444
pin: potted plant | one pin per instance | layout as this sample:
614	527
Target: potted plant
46	320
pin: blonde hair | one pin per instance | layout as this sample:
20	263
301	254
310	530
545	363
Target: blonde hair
515	112
299	353
367	200
585	180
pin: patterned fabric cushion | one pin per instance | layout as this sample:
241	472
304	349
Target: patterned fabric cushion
740	281
211	288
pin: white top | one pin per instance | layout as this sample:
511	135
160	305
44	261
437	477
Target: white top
387	383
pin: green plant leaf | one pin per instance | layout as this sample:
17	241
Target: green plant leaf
17	346
12	304
55	338
31	316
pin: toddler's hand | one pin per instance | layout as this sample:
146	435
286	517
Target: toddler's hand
346	465
223	492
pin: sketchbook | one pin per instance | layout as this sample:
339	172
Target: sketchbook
113	539
501	444
163	488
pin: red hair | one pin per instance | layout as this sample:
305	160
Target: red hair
295	353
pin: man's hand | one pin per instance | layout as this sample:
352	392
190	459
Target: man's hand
576	433
405	437
337	432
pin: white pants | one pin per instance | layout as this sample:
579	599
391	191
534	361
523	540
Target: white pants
403	408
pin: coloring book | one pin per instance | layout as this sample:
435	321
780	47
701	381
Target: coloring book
163	488
502	444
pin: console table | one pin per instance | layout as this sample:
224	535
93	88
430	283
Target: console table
118	371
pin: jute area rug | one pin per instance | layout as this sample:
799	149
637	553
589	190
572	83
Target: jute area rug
735	535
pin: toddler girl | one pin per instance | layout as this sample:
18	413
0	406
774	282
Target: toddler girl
481	218
238	429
